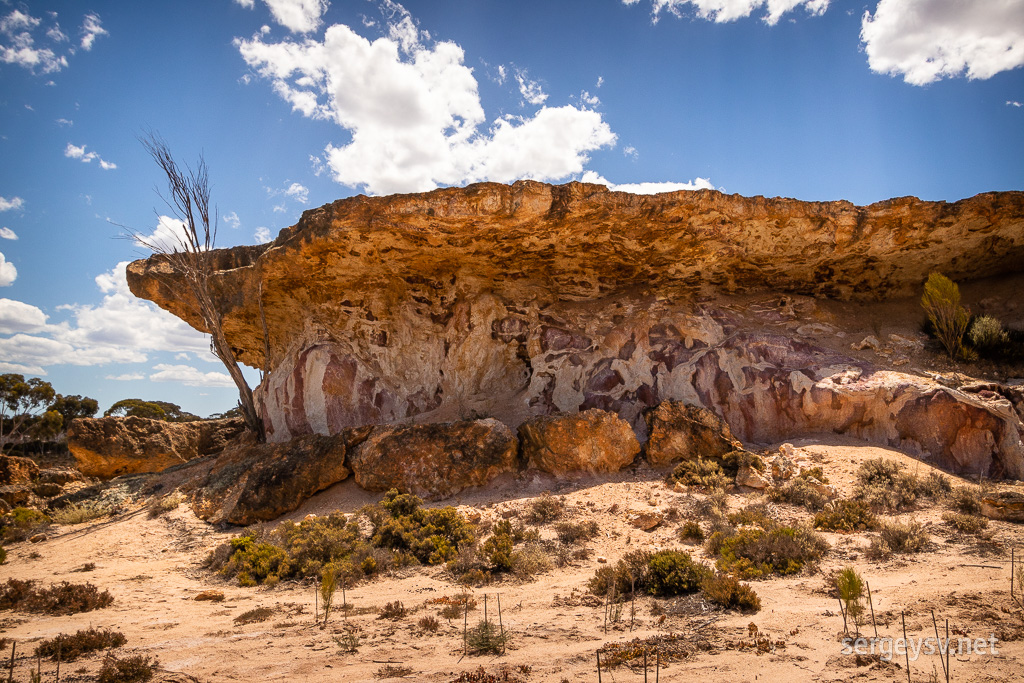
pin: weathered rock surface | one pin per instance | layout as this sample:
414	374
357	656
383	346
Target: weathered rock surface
516	302
107	447
678	431
1004	505
17	470
259	482
592	441
434	460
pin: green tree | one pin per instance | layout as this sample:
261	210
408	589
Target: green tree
21	400
136	407
73	407
941	301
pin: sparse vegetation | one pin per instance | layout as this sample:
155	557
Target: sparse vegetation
941	302
165	504
966	499
886	486
727	591
62	598
79	513
83	642
22	523
544	509
702	473
429	623
847	516
690	532
487	638
757	552
504	675
987	336
255	615
800	491
393	610
964	523
850	586
133	669
898	538
393	671
571	533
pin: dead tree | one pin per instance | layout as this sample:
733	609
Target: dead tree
188	254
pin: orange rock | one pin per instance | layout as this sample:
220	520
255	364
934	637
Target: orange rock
592	441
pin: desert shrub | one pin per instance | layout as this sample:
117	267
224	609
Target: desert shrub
79	513
429	623
846	515
754	552
487	638
934	485
71	647
887	487
431	536
529	560
966	499
898	538
691	532
813	473
850	587
577	532
674	572
545	508
727	591
254	615
706	474
734	460
454	607
165	504
62	598
503	675
967	524
393	611
756	514
393	671
133	669
498	547
799	491
255	562
23	522
941	302
628	572
319	541
987	335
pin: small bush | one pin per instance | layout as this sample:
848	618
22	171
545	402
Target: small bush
544	509
987	335
886	487
898	538
429	623
846	515
256	562
530	560
967	524
726	591
83	642
572	533
254	616
487	638
674	572
393	611
134	669
941	302
23	522
393	671
80	513
690	532
62	598
966	499
161	506
752	553
850	586
799	491
706	474
629	572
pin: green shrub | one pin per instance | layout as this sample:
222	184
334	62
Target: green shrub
545	508
850	586
941	302
987	335
967	524
133	669
487	638
23	522
966	499
83	642
813	473
256	562
571	533
628	572
727	591
799	491
886	487
846	515
706	474
898	538
674	572
691	532
757	514
753	552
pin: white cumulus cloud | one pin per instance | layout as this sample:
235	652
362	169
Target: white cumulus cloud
530	90
91	30
16	316
247	4
8	273
648	188
169	235
11	204
8	234
190	376
298	192
262	235
730	10
413	111
76	152
42	48
126	377
927	40
298	16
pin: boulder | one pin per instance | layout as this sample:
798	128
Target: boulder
748	476
1007	506
646	521
593	441
259	482
15	494
434	461
17	470
107	447
685	432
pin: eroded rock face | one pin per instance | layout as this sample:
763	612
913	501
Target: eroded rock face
1003	505
517	302
259	482
686	432
17	470
107	447
434	460
593	441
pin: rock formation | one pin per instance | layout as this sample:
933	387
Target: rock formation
593	441
530	300
111	446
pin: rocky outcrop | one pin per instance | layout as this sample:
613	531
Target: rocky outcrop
593	441
111	446
436	460
686	432
258	482
525	301
1007	506
17	470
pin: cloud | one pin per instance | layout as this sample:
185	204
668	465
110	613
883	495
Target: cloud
927	40
75	152
169	235
8	273
189	376
722	11
16	316
10	204
630	151
91	30
247	4
298	193
413	111
648	188
298	16
530	90
1014	103
7	234
22	369
126	377
262	235
65	122
232	220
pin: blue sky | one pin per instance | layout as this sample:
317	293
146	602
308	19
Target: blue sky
295	103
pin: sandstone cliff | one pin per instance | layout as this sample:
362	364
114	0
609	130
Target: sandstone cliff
520	301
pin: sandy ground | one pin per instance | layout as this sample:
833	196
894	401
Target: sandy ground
153	567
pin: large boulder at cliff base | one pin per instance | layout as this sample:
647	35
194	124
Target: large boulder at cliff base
17	470
594	441
686	432
434	460
108	447
1007	506
259	482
